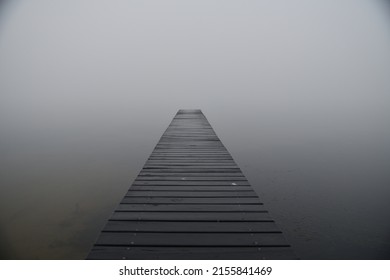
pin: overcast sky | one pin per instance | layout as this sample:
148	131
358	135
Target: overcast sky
84	61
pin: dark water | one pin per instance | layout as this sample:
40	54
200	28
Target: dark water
301	102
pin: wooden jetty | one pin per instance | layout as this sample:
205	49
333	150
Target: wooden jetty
191	201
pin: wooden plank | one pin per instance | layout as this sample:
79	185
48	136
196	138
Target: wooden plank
192	178
192	239
185	160
191	216
190	188
191	183
176	168
215	200
222	193
192	149
191	226
189	153
194	162
191	253
191	157
181	175
200	208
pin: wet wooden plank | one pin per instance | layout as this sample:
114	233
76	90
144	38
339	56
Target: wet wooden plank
214	200
191	183
179	177
204	170
176	168
185	160
200	208
191	216
191	201
215	153
190	188
191	253
193	163
192	239
191	226
137	193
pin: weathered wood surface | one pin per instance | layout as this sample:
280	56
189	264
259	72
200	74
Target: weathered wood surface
191	201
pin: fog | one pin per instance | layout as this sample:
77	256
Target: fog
298	91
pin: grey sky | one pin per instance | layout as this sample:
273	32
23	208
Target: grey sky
284	57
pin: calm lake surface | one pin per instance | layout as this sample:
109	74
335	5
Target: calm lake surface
328	194
302	104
